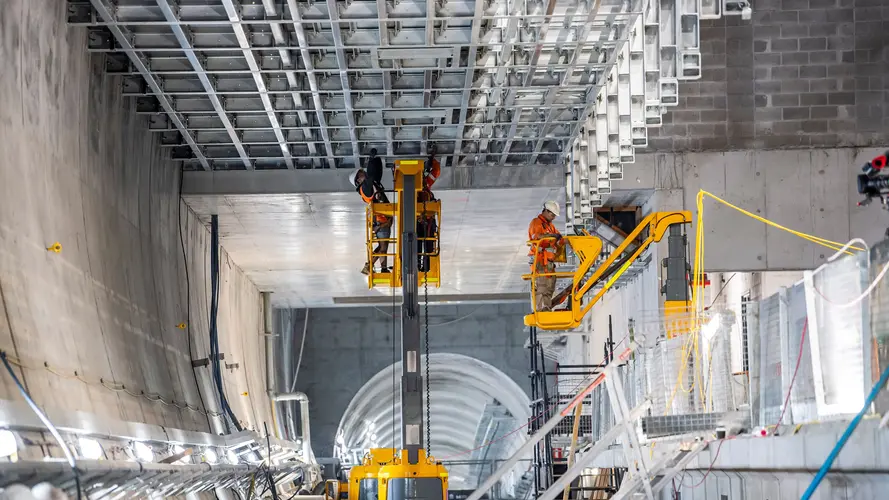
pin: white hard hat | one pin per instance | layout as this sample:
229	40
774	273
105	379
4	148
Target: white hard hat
552	207
353	176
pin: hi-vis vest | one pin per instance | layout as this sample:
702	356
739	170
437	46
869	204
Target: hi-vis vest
546	249
378	188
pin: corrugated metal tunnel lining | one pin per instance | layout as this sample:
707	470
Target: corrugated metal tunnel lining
474	410
287	84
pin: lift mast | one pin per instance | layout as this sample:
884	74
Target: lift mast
407	182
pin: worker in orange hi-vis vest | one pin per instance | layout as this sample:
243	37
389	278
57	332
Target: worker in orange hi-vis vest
427	226
545	253
369	185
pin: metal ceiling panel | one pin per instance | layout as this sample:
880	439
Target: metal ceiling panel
483	67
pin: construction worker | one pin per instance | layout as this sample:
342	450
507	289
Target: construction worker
369	185
426	226
543	255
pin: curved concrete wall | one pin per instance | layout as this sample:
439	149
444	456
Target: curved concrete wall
79	167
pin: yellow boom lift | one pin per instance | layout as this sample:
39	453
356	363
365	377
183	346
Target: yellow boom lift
409	473
587	248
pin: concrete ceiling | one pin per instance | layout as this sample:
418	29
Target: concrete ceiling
309	248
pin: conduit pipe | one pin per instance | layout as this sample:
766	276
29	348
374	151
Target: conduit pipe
306	437
271	386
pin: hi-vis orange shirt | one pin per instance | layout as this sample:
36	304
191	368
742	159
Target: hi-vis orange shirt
432	174
547	248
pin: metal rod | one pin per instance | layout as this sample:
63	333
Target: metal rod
538	436
191	55
123	38
590	455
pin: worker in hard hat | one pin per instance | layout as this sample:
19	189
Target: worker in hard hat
427	226
369	185
543	255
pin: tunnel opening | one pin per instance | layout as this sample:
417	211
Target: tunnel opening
478	418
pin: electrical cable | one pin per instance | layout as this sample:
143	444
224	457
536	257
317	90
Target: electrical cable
188	335
69	456
302	344
214	330
863	295
443	323
729	280
834	453
273	485
709	469
814	239
692	344
799	358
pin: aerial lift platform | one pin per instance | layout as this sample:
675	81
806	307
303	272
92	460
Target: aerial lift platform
587	249
404	170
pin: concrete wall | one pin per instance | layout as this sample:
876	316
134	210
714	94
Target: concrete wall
812	191
800	73
80	168
345	347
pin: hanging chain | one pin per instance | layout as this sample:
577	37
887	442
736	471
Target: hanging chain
426	324
428	392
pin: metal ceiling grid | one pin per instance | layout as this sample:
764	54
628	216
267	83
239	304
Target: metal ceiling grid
294	84
663	47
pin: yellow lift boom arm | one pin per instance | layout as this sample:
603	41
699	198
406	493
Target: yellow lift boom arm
587	249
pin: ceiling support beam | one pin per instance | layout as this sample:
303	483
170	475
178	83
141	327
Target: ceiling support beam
575	57
219	21
506	59
241	34
529	77
344	77
427	75
123	39
470	75
185	43
603	76
306	56
383	16
288	65
301	181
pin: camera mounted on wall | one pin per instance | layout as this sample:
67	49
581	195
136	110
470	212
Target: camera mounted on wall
874	182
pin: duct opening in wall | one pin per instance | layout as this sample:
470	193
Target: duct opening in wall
474	409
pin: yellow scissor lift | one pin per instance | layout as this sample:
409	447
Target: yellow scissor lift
424	209
587	248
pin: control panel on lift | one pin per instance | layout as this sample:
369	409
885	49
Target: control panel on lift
428	215
584	279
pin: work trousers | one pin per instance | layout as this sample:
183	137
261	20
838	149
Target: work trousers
545	287
425	229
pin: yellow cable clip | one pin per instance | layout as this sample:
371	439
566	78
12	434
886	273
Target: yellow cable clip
55	247
181	326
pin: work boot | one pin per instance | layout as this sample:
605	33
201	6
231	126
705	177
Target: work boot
366	269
